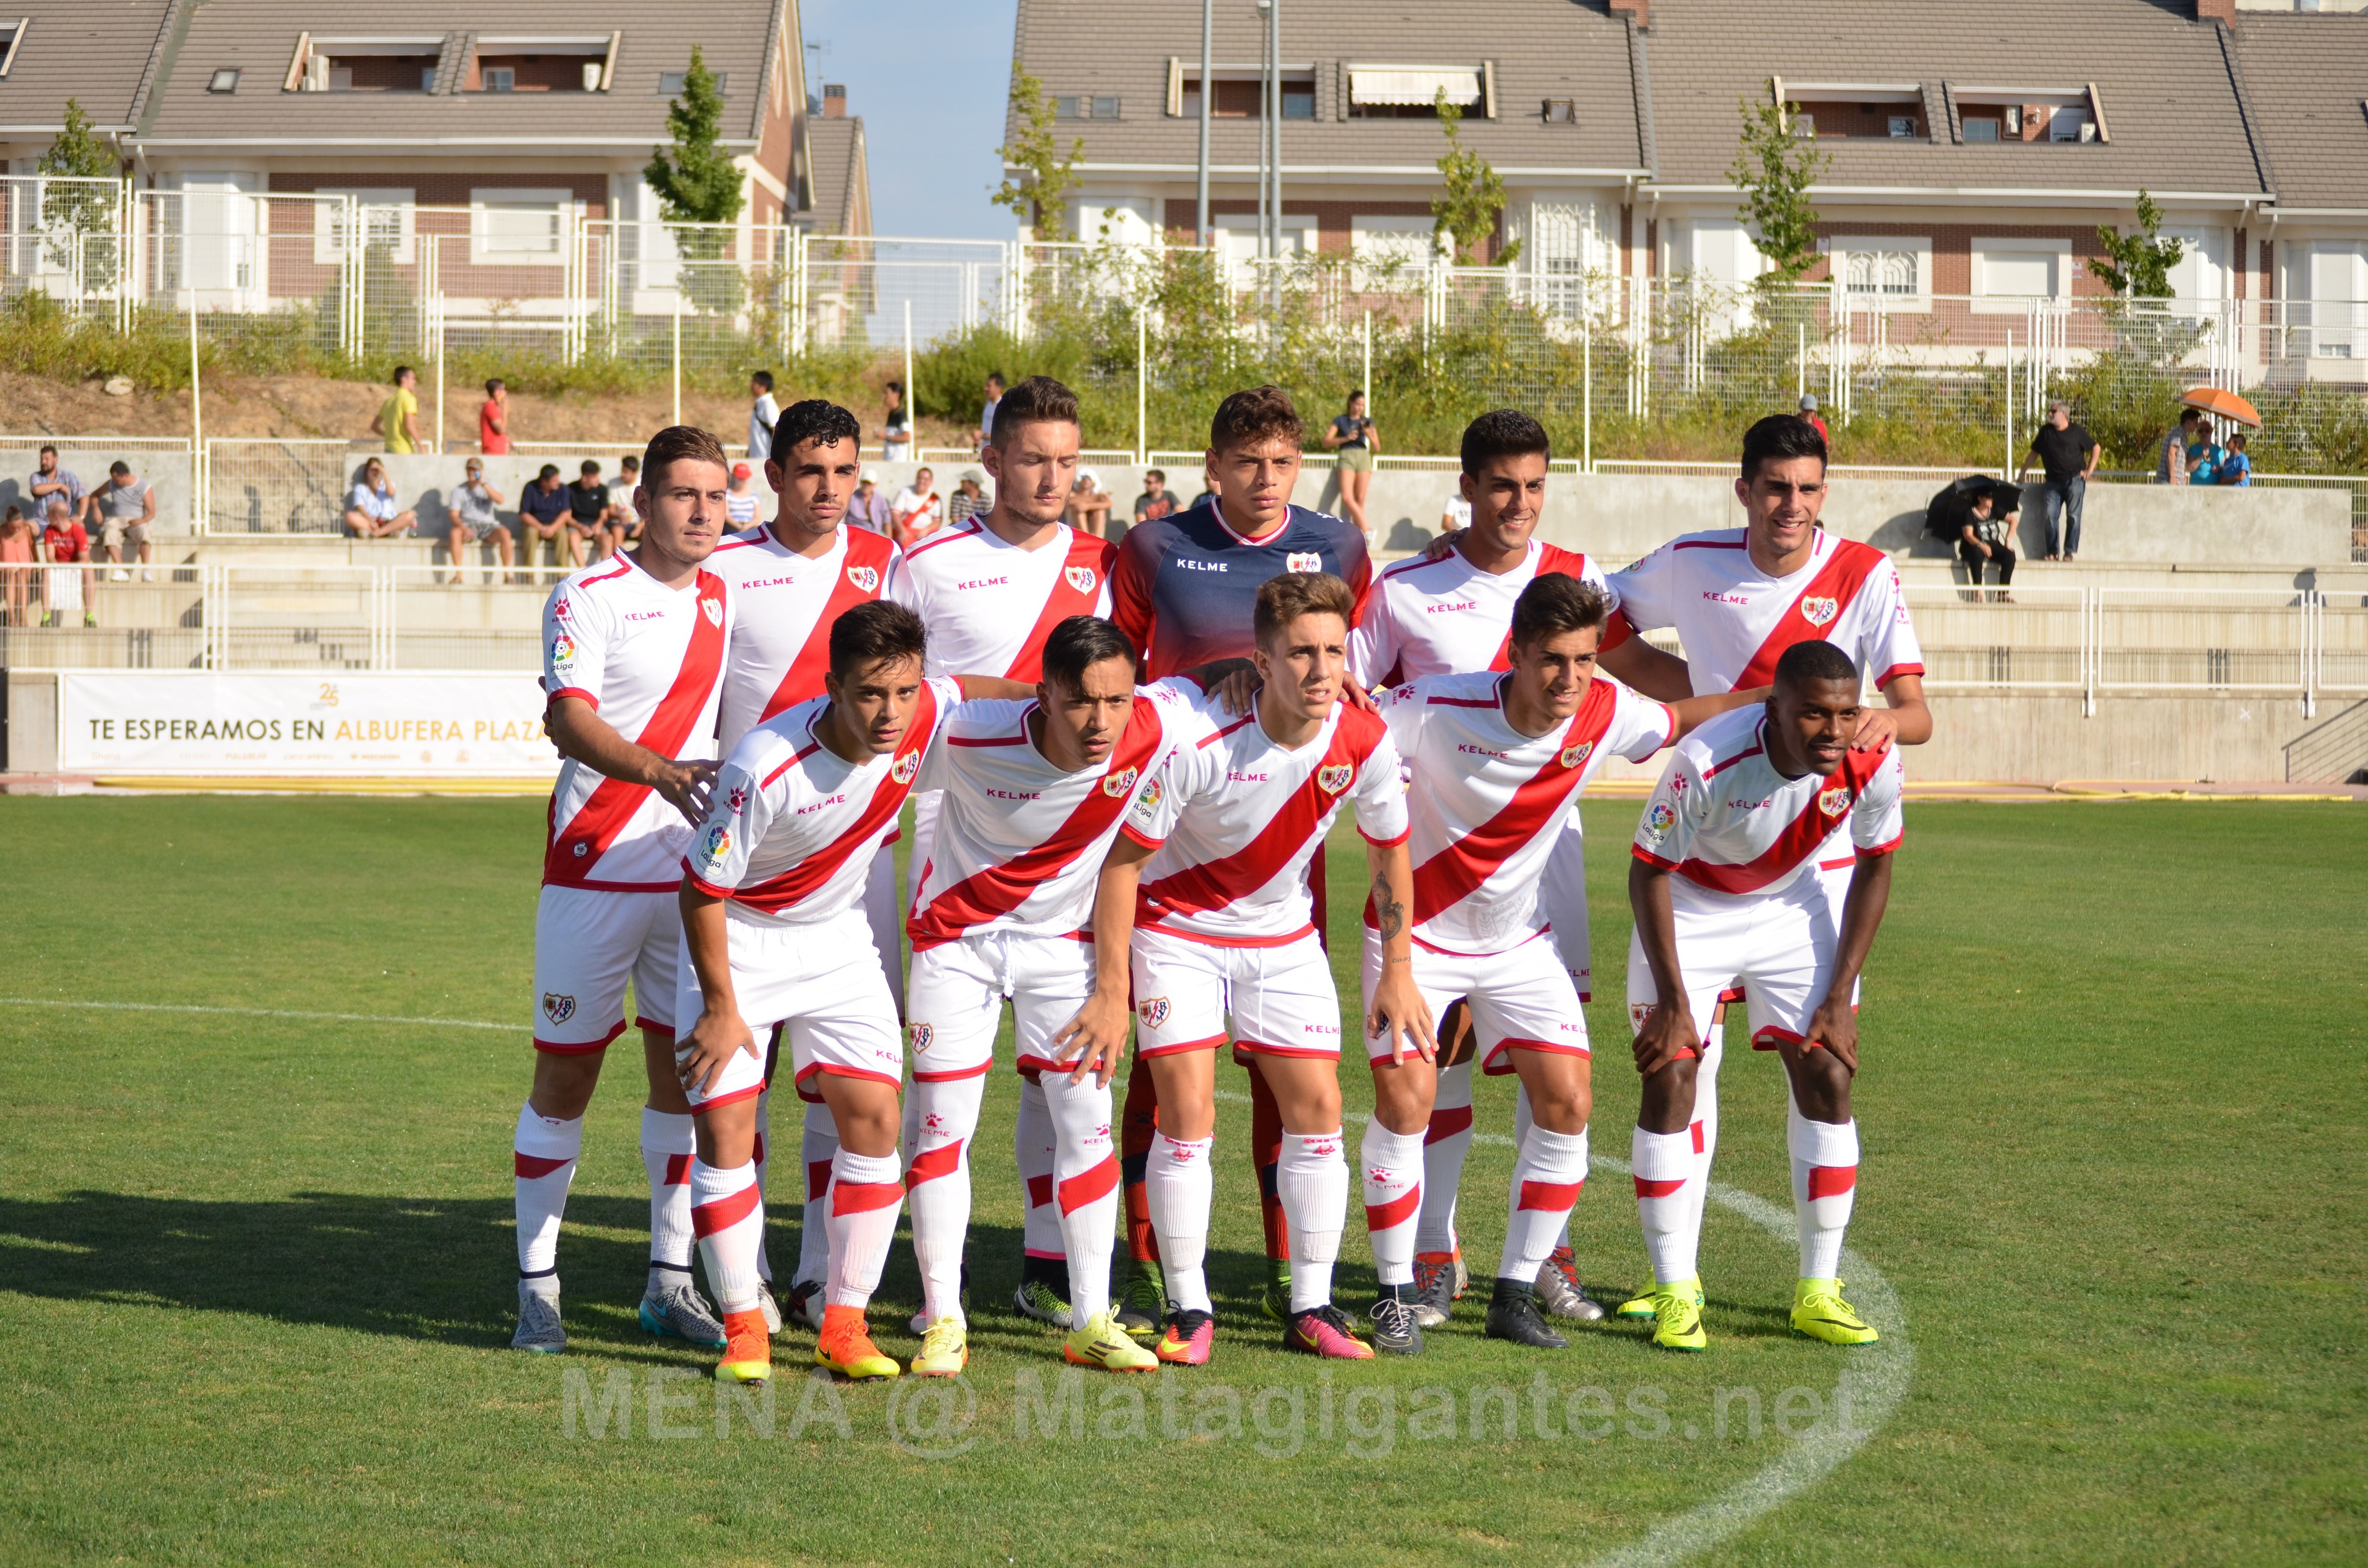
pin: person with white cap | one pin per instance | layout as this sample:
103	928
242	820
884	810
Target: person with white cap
1089	503
868	508
1809	413
970	497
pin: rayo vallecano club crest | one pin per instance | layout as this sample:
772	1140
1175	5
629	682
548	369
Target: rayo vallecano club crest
1335	778
1302	561
1833	802
558	1007
864	577
1119	783
1816	612
905	767
1153	1010
1572	756
713	609
922	1035
1081	578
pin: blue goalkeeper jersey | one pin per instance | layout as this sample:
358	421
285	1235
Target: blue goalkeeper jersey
1185	587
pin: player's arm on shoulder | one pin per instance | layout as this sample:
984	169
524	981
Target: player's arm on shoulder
1653	671
992	689
1695	711
1905	718
1229	683
1898	661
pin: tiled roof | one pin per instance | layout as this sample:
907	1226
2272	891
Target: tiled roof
841	197
95	51
2306	77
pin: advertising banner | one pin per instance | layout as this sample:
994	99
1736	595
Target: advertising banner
343	724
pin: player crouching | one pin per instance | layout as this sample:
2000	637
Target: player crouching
1727	890
775	933
1502	760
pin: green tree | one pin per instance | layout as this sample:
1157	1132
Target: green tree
1774	169
1042	174
2137	266
698	182
85	213
1465	213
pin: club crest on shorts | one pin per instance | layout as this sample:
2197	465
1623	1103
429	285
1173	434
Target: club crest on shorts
1816	612
1118	784
1302	561
864	577
1335	778
1572	756
1081	578
1833	802
905	767
922	1035
558	1007
714	611
1153	1010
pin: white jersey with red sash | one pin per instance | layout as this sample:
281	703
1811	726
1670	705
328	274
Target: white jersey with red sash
649	659
989	605
1491	801
1447	616
785	604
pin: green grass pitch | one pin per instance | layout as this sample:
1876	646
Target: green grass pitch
256	1272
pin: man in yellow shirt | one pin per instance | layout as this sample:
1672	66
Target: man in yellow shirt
397	418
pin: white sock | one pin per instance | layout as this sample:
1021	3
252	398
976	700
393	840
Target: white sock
1664	1163
764	1127
1704	1129
543	1156
1085	1180
1549	1172
667	1143
818	1145
1313	1177
1824	1187
1031	1146
1522	1122
728	1214
865	1193
1177	1184
936	1186
1445	1144
1394	1164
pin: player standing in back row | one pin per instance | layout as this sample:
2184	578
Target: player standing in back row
632	661
1186	591
1737	598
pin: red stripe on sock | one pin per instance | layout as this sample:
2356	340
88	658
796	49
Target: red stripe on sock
529	1166
1554	1197
677	1170
1657	1188
1697	1132
1446	1122
1089	1187
817	1179
936	1162
706	1219
1831	1181
1039	1192
862	1197
1397	1212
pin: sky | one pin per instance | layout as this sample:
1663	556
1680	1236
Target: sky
929	78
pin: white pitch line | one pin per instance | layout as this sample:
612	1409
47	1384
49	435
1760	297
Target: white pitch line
260	1013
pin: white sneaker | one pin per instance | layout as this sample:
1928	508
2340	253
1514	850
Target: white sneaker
119	575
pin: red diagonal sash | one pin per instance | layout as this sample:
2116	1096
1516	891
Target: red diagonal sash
1451	874
1087	553
1219	882
1801	838
792	886
998	890
1554	561
1839	579
802	682
611	806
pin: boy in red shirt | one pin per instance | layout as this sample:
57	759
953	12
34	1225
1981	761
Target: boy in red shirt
65	543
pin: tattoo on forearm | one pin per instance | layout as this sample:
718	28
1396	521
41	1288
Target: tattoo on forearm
1391	912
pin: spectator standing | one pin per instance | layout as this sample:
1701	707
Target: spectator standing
123	509
397	419
1352	438
740	498
475	520
624	516
1089	503
542	513
493	419
587	513
763	414
896	433
50	482
2171	465
1985	537
987	415
20	550
65	544
913	516
2236	469
1809	412
868	508
1157	500
2068	456
969	499
2204	456
371	511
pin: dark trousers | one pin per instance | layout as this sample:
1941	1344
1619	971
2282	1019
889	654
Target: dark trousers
2062	500
2001	557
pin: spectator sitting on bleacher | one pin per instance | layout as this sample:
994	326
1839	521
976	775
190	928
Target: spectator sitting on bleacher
64	544
544	513
122	510
588	513
371	512
969	499
1986	537
868	508
474	521
740	498
20	549
913	516
50	481
624	521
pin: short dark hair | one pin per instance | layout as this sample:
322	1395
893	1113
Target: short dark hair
1255	415
1552	604
763	379
675	443
1814	660
401	371
1778	437
591	466
872	631
629	462
1354	393
493	384
119	466
996	376
47	451
1283	599
550	471
1158	473
1039	400
813	419
1078	642
2189	415
2237	442
1504	433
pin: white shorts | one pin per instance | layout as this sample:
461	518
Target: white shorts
1778	951
1519	999
822	984
1282	999
954	1000
1562	895
587	945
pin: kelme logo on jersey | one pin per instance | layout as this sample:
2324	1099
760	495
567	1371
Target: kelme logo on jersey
1335	778
1816	612
1302	561
1153	1010
1572	756
1658	821
714	611
1081	578
558	1007
905	767
864	577
717	844
922	1035
1118	784
1833	802
563	650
